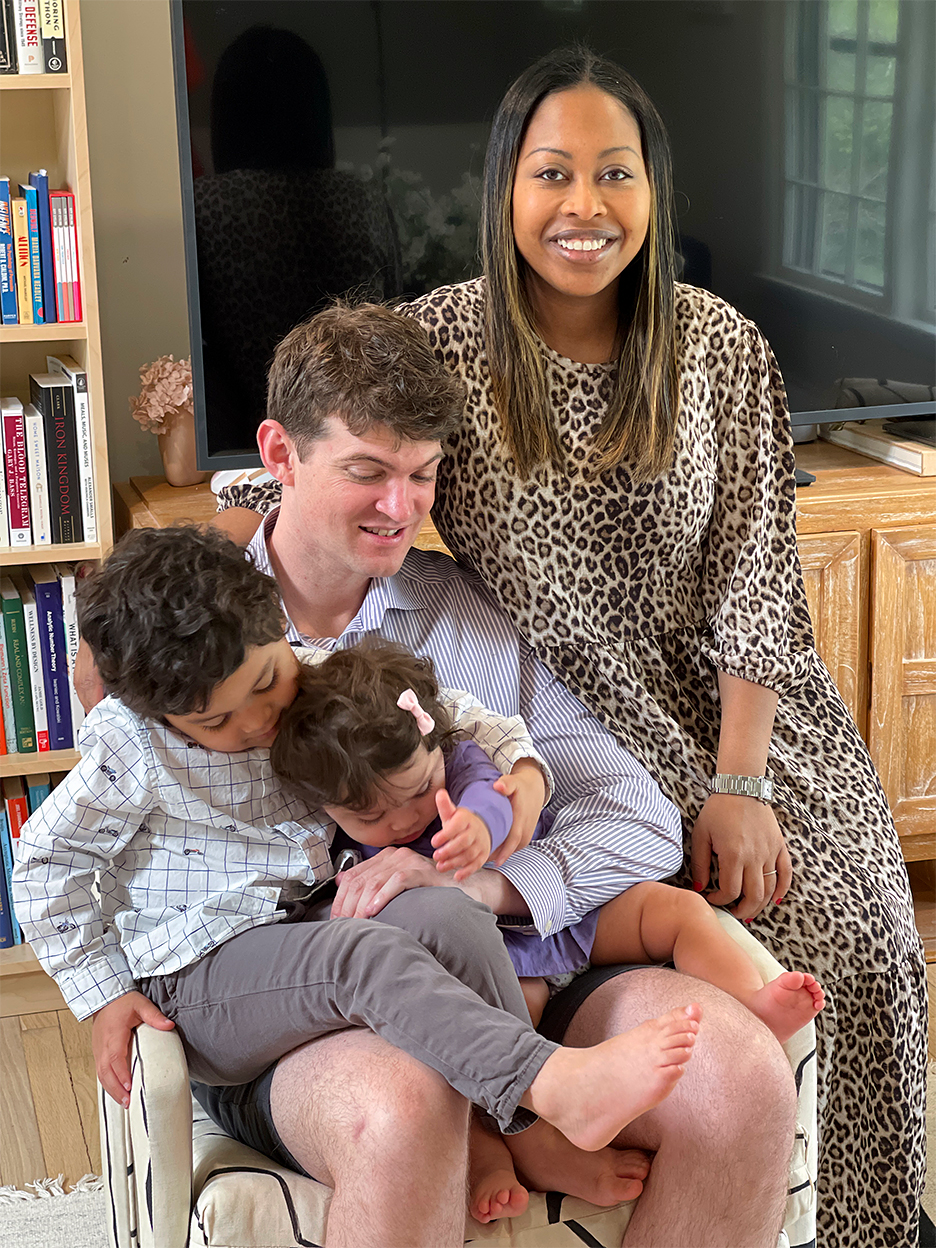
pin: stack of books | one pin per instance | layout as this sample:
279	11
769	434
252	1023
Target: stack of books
40	281
47	457
21	797
32	37
39	710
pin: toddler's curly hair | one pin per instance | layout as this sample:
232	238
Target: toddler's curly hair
344	733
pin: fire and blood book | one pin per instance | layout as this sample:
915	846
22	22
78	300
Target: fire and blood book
7	257
16	472
52	31
40	180
78	379
52	394
24	303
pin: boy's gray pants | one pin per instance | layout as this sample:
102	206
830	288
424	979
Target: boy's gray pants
430	974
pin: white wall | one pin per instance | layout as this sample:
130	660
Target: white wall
137	209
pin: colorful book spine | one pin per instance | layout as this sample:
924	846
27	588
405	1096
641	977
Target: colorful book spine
6	697
24	304
78	379
40	180
28	37
6	860
35	266
18	658
53	396
48	592
14	801
8	307
38	476
52	30
7	939
62	204
8	62
4	509
38	788
66	577
34	654
16	473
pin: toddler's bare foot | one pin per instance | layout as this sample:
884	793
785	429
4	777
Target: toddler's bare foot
787	1003
494	1191
547	1162
591	1094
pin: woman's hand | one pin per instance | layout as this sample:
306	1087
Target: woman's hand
526	789
111	1034
744	835
463	843
364	890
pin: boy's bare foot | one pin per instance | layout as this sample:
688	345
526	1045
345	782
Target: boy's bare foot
787	1003
494	1191
547	1162
591	1094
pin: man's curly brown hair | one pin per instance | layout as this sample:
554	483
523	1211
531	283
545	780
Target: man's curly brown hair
171	613
344	733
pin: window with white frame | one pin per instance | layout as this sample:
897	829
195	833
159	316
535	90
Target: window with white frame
858	207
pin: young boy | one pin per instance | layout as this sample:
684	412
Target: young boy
169	877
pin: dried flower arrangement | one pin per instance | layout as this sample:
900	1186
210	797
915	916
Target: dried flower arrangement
165	394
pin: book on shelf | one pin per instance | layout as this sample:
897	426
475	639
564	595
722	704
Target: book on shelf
77	378
52	31
53	395
34	654
869	438
8	62
38	788
6	696
17	656
7	935
8	307
15	804
39	179
66	575
65	253
24	303
48	591
28	193
37	471
28	36
16	475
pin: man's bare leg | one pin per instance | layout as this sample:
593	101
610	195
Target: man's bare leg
385	1132
724	1136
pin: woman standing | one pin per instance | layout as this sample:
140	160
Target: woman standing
624	483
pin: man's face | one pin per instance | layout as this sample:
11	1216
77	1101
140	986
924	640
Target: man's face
359	502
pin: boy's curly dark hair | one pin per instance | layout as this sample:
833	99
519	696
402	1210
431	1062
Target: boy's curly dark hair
344	733
171	613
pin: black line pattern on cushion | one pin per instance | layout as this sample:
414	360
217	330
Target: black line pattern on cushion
554	1207
287	1197
585	1236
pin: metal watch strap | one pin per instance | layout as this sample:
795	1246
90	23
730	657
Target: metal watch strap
760	787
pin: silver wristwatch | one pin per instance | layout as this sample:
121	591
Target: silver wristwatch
760	787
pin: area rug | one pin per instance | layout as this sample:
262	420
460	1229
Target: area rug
46	1216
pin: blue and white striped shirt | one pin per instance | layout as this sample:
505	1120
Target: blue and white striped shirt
613	827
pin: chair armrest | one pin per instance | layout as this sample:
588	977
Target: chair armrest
147	1149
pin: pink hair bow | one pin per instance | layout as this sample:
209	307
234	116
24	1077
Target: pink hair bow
407	701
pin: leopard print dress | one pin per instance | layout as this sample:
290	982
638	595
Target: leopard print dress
635	595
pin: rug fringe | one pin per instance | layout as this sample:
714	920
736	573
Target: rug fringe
46	1189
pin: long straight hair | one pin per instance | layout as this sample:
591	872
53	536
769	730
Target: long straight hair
639	426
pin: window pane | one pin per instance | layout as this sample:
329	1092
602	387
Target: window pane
869	260
834	243
879	75
875	146
882	21
837	163
843	18
840	67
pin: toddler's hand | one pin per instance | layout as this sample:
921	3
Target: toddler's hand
110	1040
463	844
526	789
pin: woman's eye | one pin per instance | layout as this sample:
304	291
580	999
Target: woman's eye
551	175
271	685
616	175
218	726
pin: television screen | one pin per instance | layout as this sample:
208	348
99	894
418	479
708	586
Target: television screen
336	147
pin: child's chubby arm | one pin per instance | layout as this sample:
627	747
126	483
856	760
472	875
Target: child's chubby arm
89	819
463	843
527	781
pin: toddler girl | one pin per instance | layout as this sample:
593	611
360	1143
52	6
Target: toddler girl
367	739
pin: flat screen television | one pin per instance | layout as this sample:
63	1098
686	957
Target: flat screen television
332	146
